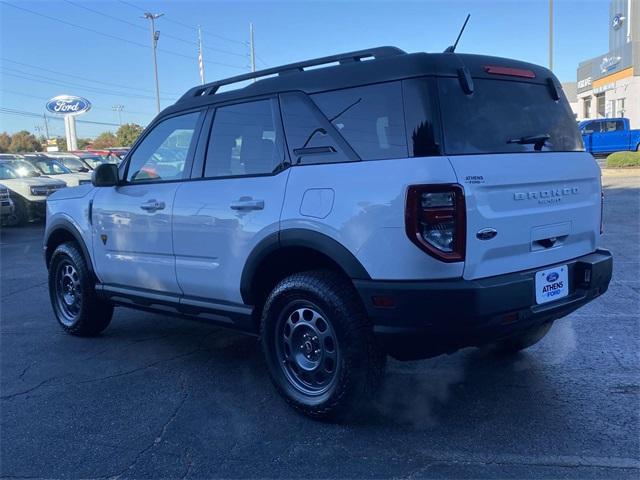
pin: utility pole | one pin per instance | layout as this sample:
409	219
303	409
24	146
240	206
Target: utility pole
252	51
200	56
155	35
551	35
46	125
118	108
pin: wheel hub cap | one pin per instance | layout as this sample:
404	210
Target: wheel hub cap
69	292
308	350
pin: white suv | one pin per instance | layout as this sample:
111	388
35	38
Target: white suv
409	204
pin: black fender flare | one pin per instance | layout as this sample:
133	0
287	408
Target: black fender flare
299	237
66	225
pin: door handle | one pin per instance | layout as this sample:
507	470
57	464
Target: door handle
247	204
152	206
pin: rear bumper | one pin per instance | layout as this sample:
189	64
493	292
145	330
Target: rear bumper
429	318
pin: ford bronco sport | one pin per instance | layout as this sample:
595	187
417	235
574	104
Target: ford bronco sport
380	203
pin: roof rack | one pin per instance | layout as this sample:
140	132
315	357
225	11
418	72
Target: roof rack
342	58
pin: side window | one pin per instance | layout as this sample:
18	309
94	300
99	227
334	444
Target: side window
244	140
164	151
611	126
423	127
371	119
308	132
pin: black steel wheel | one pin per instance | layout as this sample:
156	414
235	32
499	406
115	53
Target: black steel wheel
308	350
319	345
77	307
68	292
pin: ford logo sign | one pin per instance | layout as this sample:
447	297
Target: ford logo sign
68	105
552	277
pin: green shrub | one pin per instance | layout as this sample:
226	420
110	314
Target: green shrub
623	159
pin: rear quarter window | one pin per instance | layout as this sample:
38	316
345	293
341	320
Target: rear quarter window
502	110
369	118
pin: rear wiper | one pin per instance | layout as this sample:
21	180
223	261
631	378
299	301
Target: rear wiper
538	141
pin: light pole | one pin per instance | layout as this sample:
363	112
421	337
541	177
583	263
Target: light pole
118	108
154	44
551	35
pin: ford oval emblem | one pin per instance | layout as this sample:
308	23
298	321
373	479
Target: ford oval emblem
552	277
486	233
68	105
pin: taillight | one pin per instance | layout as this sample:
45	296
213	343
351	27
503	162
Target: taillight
601	212
435	220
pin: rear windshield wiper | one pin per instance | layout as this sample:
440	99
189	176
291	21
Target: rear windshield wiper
538	141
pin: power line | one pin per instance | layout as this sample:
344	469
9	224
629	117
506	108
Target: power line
48	80
114	37
82	78
140	27
190	27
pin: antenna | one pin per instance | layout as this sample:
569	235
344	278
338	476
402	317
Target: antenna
452	48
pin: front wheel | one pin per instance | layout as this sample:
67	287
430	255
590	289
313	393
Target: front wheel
319	345
77	307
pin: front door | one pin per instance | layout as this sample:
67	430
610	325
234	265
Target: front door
132	232
235	203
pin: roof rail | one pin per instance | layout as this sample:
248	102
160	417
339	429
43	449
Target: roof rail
342	58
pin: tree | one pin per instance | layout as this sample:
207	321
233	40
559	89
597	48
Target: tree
24	141
84	143
62	144
5	142
128	133
105	140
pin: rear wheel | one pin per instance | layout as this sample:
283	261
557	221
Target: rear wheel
319	345
524	340
78	309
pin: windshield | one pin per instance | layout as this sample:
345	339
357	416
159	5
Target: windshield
503	116
74	165
6	172
51	167
94	161
24	169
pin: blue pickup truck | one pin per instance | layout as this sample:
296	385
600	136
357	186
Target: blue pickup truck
607	135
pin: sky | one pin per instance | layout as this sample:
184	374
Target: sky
101	49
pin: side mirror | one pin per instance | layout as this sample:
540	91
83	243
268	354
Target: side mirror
105	175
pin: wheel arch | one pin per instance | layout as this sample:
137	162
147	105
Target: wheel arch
289	251
60	231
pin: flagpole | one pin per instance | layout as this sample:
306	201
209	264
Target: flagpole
200	56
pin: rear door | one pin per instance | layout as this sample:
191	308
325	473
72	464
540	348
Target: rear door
519	156
233	201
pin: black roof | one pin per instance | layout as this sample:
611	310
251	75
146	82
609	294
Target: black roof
376	65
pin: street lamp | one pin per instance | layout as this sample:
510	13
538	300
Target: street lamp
154	44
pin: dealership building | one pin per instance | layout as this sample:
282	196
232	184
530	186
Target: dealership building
609	84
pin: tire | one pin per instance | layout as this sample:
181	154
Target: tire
20	214
319	345
524	340
77	307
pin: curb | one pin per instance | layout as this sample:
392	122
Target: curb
621	172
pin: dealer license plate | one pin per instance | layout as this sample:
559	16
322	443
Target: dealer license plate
552	284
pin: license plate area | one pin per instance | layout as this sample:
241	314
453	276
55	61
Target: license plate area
552	284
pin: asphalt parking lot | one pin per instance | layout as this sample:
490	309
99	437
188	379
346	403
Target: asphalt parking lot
161	397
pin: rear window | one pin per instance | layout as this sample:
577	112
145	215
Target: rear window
499	113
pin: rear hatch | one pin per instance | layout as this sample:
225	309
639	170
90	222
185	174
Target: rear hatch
532	194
